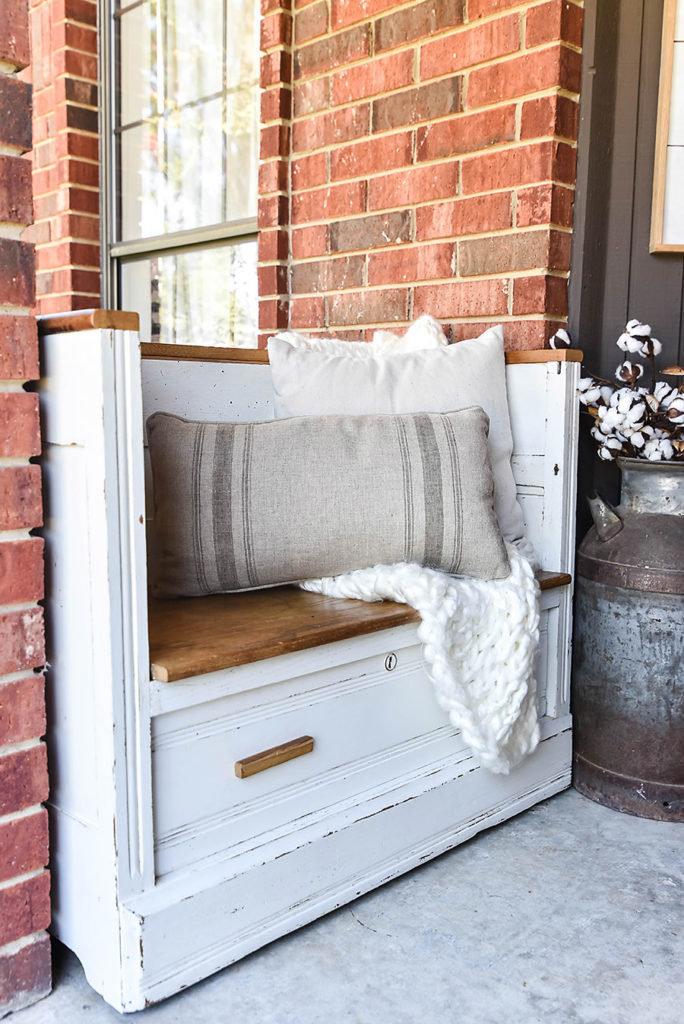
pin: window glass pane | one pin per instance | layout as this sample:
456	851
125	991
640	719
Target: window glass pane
189	73
192	51
172	53
171	176
202	296
138	83
241	155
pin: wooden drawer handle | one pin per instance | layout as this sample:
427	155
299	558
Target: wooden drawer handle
275	755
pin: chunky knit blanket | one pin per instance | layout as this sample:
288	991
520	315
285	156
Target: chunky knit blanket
479	640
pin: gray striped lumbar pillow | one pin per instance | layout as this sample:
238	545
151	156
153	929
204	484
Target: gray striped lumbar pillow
244	505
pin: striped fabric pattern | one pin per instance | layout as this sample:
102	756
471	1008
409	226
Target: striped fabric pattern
246	505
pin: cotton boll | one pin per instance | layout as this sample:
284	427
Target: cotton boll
629	372
610	419
590	391
664	393
590	397
659	449
561	339
628	344
630	404
676	409
610	449
638	330
650	347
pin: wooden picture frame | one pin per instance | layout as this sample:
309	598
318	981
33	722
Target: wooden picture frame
667	211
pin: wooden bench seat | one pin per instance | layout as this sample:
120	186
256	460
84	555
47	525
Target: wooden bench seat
191	636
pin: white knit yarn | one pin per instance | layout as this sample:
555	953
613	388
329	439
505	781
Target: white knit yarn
479	640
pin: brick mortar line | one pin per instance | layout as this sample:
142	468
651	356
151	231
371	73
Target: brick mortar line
432	201
9	308
12	232
503	278
66	20
11	948
67	266
20	606
8	150
65	213
26	812
14	461
503	275
20	879
78	159
61	79
498	147
59	188
8	749
70	238
505	318
73	49
15	677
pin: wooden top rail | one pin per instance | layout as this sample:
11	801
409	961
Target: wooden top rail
88	320
194	635
206	354
118	320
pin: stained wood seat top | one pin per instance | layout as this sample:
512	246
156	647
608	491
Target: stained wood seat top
191	636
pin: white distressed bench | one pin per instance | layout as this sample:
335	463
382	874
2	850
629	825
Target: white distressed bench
181	839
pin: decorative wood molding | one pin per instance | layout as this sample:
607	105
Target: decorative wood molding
87	320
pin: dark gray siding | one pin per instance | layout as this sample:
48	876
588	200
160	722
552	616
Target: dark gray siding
613	275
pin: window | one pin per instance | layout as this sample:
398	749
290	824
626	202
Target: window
181	137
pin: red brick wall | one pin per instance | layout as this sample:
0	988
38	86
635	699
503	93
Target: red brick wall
418	158
65	154
24	882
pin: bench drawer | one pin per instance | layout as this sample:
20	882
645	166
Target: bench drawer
372	721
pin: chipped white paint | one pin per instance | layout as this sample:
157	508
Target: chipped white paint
166	866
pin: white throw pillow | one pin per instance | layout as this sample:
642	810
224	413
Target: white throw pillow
440	379
425	332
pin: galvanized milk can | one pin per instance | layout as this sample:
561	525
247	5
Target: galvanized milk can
628	661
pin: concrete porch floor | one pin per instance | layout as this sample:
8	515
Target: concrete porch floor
569	913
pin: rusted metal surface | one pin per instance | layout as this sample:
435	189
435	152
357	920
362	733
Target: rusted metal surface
628	662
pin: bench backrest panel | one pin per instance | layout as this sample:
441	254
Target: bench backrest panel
543	410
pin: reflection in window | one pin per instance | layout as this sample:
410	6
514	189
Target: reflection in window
199	296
